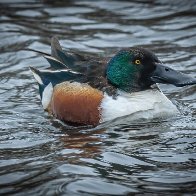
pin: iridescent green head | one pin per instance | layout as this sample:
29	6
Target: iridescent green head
137	69
126	70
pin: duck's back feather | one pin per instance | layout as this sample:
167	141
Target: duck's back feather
91	68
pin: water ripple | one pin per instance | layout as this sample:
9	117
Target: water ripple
39	155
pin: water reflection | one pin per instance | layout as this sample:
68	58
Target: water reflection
85	145
41	156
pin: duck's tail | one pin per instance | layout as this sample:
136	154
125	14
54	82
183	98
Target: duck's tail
45	88
47	79
44	77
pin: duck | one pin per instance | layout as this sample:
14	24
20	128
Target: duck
81	89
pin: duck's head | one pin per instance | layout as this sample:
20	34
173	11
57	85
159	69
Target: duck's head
137	69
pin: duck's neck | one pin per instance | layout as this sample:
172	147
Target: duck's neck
133	88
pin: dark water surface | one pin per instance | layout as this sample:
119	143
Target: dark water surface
40	156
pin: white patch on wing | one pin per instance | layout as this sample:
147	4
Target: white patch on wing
59	71
146	104
54	59
47	95
37	77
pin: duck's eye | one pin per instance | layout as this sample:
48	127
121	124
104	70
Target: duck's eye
137	62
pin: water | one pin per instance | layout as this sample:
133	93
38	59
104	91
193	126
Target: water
40	156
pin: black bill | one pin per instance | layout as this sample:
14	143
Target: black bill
166	75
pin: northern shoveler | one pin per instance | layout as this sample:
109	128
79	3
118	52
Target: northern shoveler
85	90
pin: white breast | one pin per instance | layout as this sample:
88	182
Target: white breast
146	104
